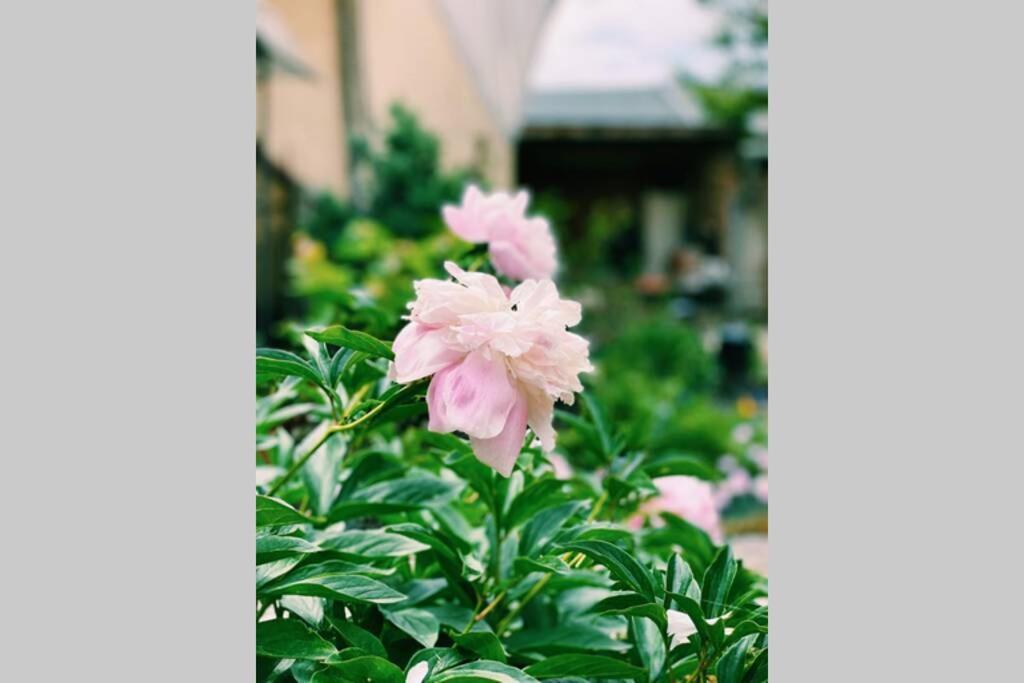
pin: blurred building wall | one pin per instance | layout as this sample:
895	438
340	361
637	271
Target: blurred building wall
459	65
302	122
408	55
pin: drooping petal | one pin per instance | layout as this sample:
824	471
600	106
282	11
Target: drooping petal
476	395
421	351
437	415
540	412
502	451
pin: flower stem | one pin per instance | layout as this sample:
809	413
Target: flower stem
487	610
537	587
333	429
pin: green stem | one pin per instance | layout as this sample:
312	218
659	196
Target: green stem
332	430
537	587
477	262
485	611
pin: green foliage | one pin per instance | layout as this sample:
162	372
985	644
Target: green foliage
407	183
382	547
400	548
743	40
354	262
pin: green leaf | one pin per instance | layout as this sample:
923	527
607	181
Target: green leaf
437	658
692	609
276	512
290	639
679	579
483	643
320	473
265	573
539	531
698	548
732	664
420	590
365	544
484	670
425	536
309	609
583	666
339	335
757	672
420	625
446	442
302	670
270	548
360	670
331	580
649	645
358	637
337	364
621	564
575	636
453	616
717	582
681	464
277	363
395	495
541	494
599	422
548	565
634	605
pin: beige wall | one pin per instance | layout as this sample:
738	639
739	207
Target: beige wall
409	55
304	122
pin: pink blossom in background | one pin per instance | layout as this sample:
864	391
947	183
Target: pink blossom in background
736	484
691	498
761	488
499	361
520	247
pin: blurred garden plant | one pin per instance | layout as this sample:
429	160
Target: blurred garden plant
396	540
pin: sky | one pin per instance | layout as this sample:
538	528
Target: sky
615	43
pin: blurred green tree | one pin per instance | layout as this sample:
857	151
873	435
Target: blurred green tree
743	88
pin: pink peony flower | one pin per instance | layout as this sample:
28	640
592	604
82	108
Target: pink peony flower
691	498
499	361
520	247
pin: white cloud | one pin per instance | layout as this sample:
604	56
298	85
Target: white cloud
595	43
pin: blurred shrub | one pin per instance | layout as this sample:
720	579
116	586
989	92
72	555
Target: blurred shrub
406	186
366	276
354	263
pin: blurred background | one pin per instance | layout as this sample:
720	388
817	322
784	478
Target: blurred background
639	128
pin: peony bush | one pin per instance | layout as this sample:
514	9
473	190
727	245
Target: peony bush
418	518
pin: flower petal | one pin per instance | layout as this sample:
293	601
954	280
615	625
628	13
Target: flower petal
421	351
476	395
523	248
680	625
418	673
437	415
540	412
502	451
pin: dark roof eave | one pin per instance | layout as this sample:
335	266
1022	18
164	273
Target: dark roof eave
612	133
